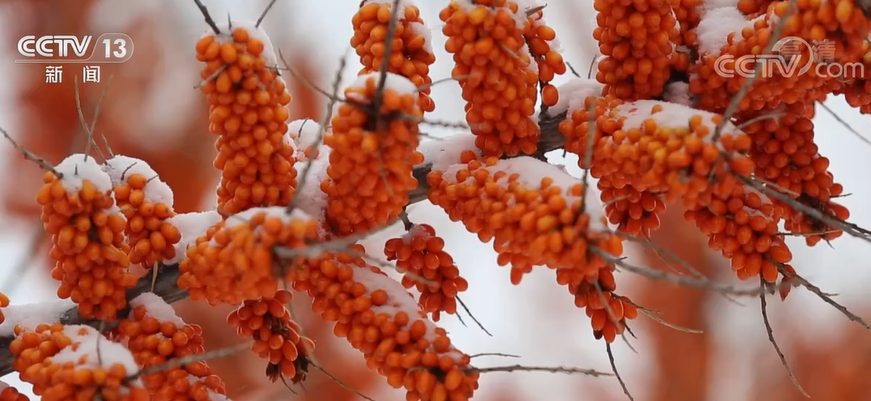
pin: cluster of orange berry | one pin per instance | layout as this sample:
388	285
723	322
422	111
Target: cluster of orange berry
276	337
146	203
420	255
410	49
637	39
234	261
89	247
533	213
4	302
154	335
372	154
497	73
65	363
382	320
247	109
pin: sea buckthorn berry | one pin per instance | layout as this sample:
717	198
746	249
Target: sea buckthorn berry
787	157
154	334
534	218
637	40
372	155
146	203
382	320
420	255
276	337
89	248
235	260
4	302
10	393
496	72
544	49
64	363
411	52
248	111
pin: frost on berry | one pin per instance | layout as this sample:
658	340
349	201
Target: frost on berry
89	247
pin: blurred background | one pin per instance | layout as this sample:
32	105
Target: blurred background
152	112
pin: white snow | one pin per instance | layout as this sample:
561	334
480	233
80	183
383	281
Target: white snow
119	168
572	95
273	211
301	134
444	152
95	349
416	231
679	92
422	30
314	201
530	173
672	114
31	315
191	226
395	82
254	32
157	308
212	396
77	167
719	20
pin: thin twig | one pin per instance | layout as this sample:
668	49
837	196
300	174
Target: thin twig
474	319
207	17
180	362
493	354
819	293
773	342
340	382
616	373
30	156
549	369
844	123
263	14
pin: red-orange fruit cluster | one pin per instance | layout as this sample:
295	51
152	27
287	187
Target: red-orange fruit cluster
372	154
541	40
382	320
496	72
637	39
410	51
421	257
89	247
533	220
786	156
234	261
840	24
155	335
247	109
276	336
63	364
146	203
608	312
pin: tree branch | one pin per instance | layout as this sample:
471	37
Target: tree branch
165	284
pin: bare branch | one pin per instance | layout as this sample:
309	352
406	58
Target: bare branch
770	332
549	369
616	373
207	17
30	156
